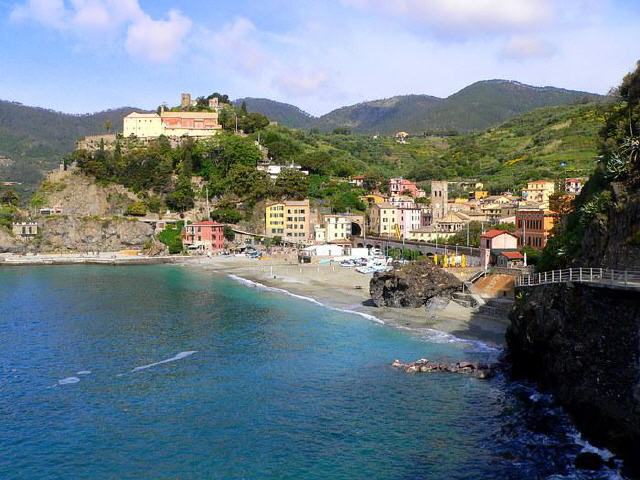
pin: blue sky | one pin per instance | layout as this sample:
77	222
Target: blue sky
87	55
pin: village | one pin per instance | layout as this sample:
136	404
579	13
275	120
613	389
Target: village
445	215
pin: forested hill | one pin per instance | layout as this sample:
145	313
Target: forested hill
477	107
283	113
35	139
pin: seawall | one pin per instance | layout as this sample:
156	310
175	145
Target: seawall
582	343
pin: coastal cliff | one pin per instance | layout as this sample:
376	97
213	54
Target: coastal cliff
583	343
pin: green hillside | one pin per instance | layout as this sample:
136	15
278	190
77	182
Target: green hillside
35	139
280	112
474	108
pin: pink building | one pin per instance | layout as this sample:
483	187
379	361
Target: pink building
206	236
401	186
495	242
409	219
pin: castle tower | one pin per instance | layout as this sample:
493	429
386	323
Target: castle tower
439	199
185	101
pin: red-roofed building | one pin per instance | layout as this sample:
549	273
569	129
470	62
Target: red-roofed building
509	259
497	240
207	236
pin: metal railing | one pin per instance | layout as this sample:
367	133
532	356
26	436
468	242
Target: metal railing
582	275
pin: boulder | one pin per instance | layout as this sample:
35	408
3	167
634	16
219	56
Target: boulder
413	285
589	461
477	370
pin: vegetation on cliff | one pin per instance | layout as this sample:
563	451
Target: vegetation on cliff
604	229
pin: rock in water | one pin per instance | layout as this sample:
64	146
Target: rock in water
413	285
477	370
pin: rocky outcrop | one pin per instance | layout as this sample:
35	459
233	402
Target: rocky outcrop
8	243
583	343
477	370
79	195
413	285
73	234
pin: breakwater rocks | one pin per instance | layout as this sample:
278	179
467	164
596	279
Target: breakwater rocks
413	285
477	370
582	343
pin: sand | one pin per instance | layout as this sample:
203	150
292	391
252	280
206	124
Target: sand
347	289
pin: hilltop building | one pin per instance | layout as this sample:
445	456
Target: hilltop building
25	230
574	185
275	170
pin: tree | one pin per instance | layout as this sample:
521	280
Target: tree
226	215
292	184
9	197
183	197
228	233
243	108
108	126
137	209
372	180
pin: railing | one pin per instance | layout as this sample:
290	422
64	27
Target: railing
582	275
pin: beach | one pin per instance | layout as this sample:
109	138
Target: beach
346	289
331	285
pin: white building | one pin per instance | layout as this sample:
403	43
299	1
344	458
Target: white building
275	170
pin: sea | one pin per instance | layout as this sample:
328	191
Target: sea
175	372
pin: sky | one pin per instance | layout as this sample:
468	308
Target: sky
87	55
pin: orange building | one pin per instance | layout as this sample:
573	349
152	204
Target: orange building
533	227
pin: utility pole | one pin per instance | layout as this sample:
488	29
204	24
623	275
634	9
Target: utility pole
207	196
236	115
468	233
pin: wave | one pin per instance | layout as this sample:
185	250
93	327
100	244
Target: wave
68	381
179	356
430	334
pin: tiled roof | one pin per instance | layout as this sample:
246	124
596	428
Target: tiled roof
495	233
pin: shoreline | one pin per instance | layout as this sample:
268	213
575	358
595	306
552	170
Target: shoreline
332	286
346	290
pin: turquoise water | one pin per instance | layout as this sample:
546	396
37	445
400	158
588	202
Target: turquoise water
254	385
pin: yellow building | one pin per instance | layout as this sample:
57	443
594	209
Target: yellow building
373	198
539	192
383	219
480	194
171	124
142	125
289	219
429	234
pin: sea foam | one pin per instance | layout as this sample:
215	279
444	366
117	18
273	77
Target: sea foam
179	356
68	381
429	334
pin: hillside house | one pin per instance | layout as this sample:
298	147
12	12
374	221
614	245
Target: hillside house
493	243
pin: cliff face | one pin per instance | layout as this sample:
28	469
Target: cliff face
8	243
66	234
612	239
583	343
79	195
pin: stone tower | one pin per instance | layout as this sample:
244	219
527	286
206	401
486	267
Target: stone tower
439	200
185	101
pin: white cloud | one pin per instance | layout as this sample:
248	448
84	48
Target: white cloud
146	38
526	47
464	17
237	41
47	12
301	84
157	40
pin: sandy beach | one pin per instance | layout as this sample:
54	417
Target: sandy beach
331	285
344	288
